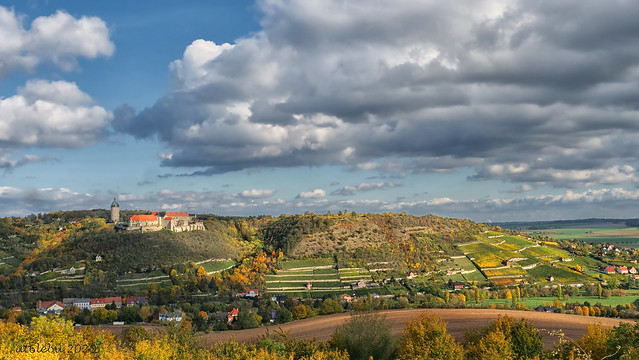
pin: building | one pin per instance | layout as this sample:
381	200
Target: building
115	211
175	317
50	307
358	285
159	220
252	293
232	315
82	303
609	270
103	302
132	301
622	270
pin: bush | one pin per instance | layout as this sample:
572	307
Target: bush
364	336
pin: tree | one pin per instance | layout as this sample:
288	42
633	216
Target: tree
426	338
248	319
330	306
364	336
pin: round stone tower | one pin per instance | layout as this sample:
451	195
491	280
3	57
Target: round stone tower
115	211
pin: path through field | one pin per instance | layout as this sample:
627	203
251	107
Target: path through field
459	320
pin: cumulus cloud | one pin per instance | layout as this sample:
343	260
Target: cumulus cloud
50	114
351	190
256	193
541	92
315	194
17	201
58	38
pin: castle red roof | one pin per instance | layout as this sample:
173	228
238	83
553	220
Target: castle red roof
177	214
143	218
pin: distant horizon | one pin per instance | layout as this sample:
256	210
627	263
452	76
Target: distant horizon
486	110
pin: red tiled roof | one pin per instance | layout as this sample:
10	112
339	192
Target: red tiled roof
143	218
168	218
235	311
177	214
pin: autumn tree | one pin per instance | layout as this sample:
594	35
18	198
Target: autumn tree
426	338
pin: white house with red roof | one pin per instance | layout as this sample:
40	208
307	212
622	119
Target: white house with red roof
50	307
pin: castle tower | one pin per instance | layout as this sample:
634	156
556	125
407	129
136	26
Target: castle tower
115	211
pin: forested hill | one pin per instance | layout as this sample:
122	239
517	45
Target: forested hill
406	241
65	239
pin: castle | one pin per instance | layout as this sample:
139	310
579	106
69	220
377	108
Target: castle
158	220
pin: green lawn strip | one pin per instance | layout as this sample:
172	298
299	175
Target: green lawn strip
543	301
324	271
463	263
474	276
136	276
291	264
217	265
12	261
477	247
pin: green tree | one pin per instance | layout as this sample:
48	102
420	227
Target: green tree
330	306
363	336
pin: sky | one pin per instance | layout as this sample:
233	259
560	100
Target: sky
488	110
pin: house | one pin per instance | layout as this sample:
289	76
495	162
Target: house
551	278
309	286
132	301
98	258
506	263
50	307
103	302
411	275
252	293
174	317
68	302
16	308
358	285
345	298
545	309
70	271
232	315
609	270
622	270
632	270
82	303
278	297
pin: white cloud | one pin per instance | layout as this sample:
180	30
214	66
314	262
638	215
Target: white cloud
350	190
315	194
58	38
51	114
256	193
522	92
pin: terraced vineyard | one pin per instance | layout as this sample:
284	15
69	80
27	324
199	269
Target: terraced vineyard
323	276
509	258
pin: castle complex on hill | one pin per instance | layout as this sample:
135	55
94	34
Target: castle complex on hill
157	220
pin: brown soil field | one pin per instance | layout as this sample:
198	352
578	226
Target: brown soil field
458	320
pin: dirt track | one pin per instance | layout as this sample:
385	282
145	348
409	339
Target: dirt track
459	320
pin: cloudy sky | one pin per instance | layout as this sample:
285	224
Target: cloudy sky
489	110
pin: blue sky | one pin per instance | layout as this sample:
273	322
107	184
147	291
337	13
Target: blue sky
487	110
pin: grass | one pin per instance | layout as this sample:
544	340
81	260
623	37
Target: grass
474	276
593	300
217	265
561	274
293	264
